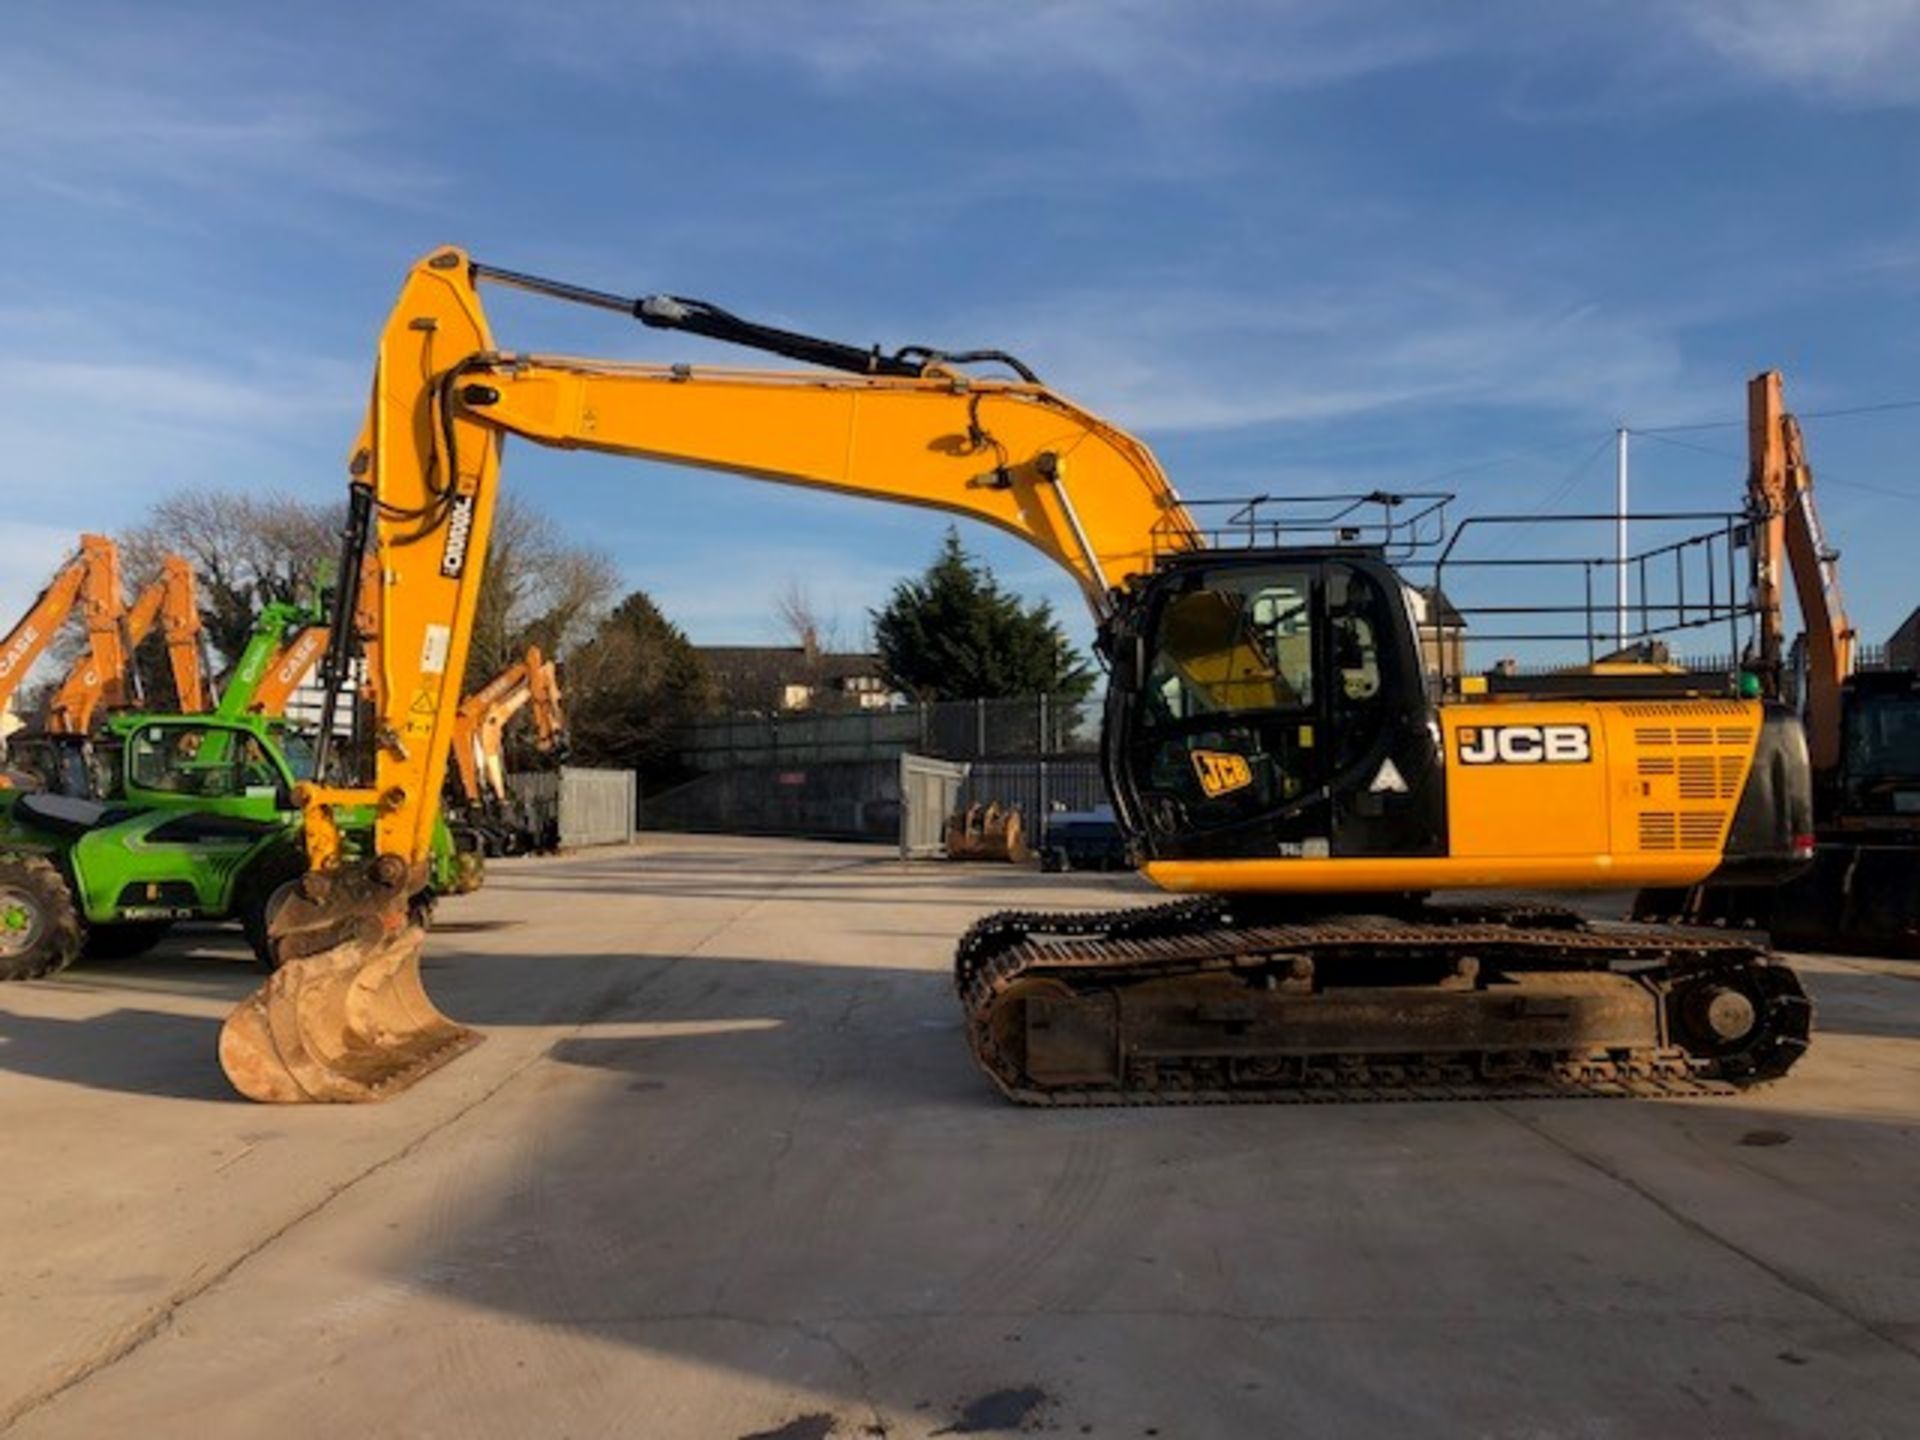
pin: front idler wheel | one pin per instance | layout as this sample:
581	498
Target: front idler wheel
1752	1024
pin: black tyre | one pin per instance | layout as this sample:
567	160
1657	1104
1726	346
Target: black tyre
258	894
125	940
40	930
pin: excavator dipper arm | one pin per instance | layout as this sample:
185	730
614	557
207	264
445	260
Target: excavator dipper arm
93	575
1790	540
345	1017
105	673
100	672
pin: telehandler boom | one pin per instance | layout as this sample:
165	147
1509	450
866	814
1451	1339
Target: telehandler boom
1270	743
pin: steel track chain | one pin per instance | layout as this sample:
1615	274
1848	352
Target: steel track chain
1190	936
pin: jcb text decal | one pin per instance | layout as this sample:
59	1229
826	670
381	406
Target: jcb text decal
1525	745
1221	772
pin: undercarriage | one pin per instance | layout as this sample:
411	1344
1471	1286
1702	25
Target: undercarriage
1222	1001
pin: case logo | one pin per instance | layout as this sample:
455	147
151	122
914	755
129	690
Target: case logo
1525	745
18	649
1221	772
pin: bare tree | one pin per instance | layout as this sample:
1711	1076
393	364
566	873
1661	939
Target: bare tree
541	589
794	608
246	550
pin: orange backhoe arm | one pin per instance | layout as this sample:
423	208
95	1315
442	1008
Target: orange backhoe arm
549	714
485	714
488	708
179	610
1790	540
94	572
100	674
170	601
291	664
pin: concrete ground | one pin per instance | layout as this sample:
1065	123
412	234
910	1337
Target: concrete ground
723	1169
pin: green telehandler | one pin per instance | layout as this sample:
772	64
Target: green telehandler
182	817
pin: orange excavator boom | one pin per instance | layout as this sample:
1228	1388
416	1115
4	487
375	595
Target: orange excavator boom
92	575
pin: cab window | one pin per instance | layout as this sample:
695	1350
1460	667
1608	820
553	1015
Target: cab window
1244	642
199	760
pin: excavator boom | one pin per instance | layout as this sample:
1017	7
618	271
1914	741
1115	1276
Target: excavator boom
169	601
1792	542
90	576
100	673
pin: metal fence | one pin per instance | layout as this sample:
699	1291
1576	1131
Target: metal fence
591	807
1036	788
946	729
834	799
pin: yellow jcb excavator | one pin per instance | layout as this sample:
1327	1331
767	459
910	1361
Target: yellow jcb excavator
531	683
1270	742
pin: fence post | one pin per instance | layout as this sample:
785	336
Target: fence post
980	728
1044	746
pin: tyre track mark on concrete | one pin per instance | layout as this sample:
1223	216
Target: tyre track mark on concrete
133	1337
1800	1285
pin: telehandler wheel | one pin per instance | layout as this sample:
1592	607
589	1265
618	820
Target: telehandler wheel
125	940
40	928
260	892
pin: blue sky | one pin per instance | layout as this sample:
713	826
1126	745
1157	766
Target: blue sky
1294	246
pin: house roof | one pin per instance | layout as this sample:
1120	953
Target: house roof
757	676
1440	610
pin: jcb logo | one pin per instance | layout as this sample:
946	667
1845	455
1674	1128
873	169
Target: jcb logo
1525	745
1221	772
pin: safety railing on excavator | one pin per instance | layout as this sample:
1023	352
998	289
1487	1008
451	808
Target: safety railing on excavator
1582	607
1399	524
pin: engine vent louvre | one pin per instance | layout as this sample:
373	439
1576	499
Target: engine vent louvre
1700	829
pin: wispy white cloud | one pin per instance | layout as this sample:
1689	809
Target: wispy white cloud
1853	52
1176	359
111	114
1140	46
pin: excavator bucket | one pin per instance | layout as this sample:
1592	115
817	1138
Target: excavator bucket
987	832
345	1017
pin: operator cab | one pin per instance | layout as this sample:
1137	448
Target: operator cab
190	761
1273	703
1879	777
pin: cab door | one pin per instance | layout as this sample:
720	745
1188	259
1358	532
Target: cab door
1385	770
1222	749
